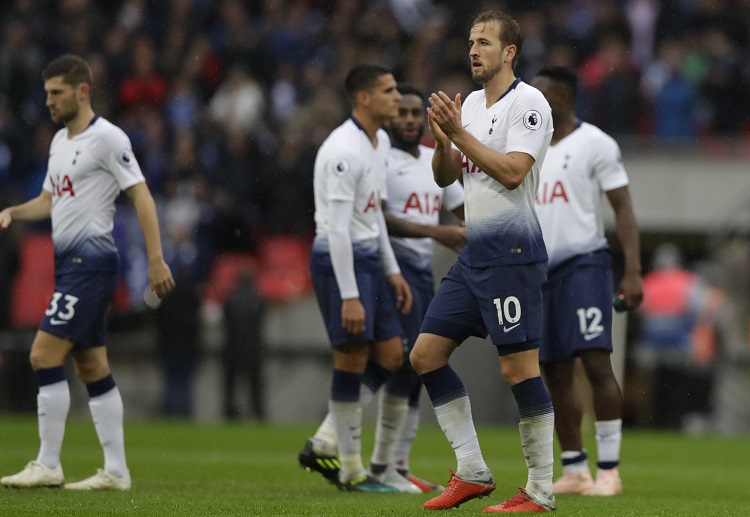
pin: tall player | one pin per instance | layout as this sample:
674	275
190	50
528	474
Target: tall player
90	162
498	140
351	264
412	214
581	163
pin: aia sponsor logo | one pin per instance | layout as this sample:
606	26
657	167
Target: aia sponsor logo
550	192
425	203
373	202
62	185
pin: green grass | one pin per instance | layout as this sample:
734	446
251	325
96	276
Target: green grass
186	469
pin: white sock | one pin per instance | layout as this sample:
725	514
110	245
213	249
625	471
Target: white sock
53	404
324	440
402	449
608	440
456	422
347	420
536	438
107	413
574	468
391	415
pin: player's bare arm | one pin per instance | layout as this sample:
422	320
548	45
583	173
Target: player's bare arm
159	274
33	210
631	284
450	236
509	169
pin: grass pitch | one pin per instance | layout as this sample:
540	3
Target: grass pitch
185	469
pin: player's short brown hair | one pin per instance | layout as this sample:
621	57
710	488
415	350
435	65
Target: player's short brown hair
510	30
74	70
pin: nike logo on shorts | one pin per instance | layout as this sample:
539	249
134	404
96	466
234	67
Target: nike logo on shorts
53	321
589	337
508	329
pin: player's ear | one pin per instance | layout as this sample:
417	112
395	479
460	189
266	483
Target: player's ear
84	89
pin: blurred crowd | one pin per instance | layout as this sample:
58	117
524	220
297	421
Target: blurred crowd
226	101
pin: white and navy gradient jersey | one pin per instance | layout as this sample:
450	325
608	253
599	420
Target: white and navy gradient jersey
85	174
414	196
501	224
577	170
349	168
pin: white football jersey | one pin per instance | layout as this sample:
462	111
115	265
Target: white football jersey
349	168
414	196
577	170
85	174
501	225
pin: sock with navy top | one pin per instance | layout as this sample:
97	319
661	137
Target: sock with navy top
53	404
346	415
608	441
536	428
453	411
324	440
105	404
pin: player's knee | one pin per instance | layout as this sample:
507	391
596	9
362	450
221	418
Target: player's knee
39	361
419	361
393	362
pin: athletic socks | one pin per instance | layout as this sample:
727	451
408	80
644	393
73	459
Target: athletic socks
574	461
105	404
608	442
453	411
392	412
324	441
536	428
53	404
346	415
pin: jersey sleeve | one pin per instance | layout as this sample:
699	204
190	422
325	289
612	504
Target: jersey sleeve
343	171
118	159
531	122
453	196
608	168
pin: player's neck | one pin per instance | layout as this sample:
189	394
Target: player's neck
80	122
368	124
564	127
498	85
411	149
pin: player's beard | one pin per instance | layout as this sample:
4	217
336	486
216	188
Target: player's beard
65	113
405	143
487	75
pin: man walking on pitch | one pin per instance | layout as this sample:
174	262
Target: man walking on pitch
90	162
498	139
582	162
351	264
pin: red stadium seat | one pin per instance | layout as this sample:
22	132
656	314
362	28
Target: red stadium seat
34	282
284	275
225	271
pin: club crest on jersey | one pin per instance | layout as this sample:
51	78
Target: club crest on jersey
492	123
532	119
125	157
340	167
78	151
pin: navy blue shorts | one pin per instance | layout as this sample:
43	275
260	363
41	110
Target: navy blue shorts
78	308
578	307
422	285
381	317
504	302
